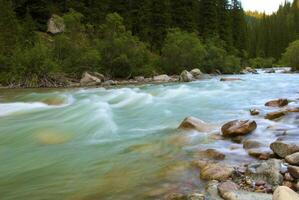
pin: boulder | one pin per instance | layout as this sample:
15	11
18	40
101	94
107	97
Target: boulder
230	79
284	148
196	196
277	103
89	80
275	115
285	193
267	171
212	154
254	112
56	25
196	73
238	128
293	159
226	188
161	78
109	83
269	71
294	171
192	123
139	78
251	144
260	153
216	171
186	76
249	70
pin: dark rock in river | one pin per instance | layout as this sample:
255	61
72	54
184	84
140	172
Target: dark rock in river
238	127
284	148
192	123
251	144
230	79
277	103
216	171
254	112
275	115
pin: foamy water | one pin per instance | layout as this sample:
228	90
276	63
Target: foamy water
123	143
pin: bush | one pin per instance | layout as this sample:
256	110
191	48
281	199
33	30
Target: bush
261	62
291	56
214	59
182	51
123	54
232	64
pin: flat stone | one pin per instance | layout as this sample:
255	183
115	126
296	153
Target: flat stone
275	115
277	103
238	127
230	79
285	193
293	159
284	148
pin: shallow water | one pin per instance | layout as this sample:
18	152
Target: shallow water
123	143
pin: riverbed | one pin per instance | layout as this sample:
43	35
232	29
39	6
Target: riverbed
123	143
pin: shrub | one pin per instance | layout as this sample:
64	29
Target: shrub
260	62
291	56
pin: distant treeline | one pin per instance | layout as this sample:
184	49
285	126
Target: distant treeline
126	38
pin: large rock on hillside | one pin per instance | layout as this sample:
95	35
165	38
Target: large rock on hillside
192	123
238	128
89	80
285	193
277	103
162	78
186	76
284	148
56	25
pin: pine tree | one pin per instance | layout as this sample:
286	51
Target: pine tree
208	19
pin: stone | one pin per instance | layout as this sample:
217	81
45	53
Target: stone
248	70
139	78
294	171
285	193
288	177
230	79
277	103
212	154
268	171
192	123
227	187
270	71
284	148
186	76
89	80
161	78
196	196
293	159
175	196
251	144
275	115
109	83
56	25
216	171
196	73
212	190
254	112
260	154
238	127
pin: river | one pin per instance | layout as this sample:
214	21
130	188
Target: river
123	143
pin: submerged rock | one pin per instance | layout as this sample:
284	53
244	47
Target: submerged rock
293	159
89	80
230	79
238	128
285	193
226	188
212	154
275	115
186	76
216	171
161	78
277	103
251	144
192	123
268	171
254	112
284	148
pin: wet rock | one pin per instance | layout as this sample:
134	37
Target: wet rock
260	154
56	25
288	177
212	154
284	148
89	80
230	79
293	159
277	103
249	70
216	136
196	196
54	101
292	110
294	171
176	196
285	193
109	83
238	139
212	190
227	187
186	76
192	123
270	71
254	112
216	171
275	115
238	127
251	144
139	78
196	73
162	78
268	171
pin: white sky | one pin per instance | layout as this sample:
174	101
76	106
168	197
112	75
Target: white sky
268	6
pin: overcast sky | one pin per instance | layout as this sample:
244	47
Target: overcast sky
268	6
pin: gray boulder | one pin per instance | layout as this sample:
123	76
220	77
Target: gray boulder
284	148
89	80
56	25
161	78
186	76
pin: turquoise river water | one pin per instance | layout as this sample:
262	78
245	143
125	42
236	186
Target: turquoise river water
123	143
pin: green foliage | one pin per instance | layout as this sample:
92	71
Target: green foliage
123	54
291	56
260	62
182	50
